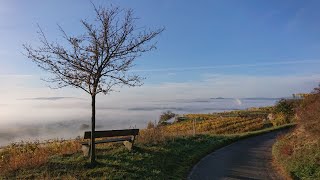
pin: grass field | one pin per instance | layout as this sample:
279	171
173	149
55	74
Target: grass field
160	153
171	159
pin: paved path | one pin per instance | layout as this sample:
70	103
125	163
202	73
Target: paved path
246	159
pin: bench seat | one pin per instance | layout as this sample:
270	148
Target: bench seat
108	140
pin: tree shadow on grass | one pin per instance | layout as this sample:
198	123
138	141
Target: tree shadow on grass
134	162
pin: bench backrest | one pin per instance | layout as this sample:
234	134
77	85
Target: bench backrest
112	133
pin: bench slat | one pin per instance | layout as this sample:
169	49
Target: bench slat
109	140
112	133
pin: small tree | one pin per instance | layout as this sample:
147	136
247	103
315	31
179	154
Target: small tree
165	116
97	60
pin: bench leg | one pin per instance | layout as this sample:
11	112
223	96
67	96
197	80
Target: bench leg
128	145
86	150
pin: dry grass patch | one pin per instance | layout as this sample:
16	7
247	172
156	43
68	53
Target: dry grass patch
26	155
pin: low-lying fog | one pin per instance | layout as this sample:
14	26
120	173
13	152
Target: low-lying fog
67	117
29	110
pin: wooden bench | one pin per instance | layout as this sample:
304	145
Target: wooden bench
127	137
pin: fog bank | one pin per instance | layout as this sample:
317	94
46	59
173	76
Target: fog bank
55	118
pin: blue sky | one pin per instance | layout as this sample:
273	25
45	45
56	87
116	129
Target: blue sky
249	39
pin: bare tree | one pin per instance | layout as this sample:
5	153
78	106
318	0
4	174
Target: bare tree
98	60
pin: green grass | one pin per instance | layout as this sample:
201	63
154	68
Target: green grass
171	159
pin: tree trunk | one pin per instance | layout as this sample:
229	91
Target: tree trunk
93	127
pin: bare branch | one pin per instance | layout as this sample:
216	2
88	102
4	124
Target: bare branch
98	60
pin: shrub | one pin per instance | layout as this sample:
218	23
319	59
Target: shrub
287	107
280	119
309	113
166	116
180	119
151	125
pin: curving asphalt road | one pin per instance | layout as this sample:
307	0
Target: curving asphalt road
246	159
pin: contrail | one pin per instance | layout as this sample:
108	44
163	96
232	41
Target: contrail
227	66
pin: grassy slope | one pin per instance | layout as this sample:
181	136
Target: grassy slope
298	152
297	157
171	159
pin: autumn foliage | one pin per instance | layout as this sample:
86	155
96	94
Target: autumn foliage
309	113
298	152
